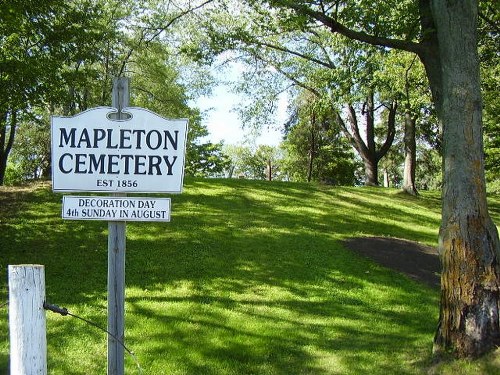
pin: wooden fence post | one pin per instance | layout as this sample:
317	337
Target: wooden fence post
116	259
28	340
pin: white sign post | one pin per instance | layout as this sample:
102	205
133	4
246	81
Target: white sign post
117	149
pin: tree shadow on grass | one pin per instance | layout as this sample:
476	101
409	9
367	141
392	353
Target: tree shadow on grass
247	278
322	313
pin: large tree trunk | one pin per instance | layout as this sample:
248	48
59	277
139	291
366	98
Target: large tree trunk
410	155
468	239
371	172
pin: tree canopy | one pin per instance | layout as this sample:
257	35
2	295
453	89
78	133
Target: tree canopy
59	58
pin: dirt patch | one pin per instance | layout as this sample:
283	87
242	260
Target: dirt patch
420	262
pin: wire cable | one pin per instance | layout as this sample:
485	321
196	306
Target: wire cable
64	312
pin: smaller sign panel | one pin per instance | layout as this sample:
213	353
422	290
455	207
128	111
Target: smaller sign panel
115	208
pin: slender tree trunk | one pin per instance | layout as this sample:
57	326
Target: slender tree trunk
468	239
46	172
3	167
410	155
3	140
370	159
6	141
310	167
387	182
370	124
312	150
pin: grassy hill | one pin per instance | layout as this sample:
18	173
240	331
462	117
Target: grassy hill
249	277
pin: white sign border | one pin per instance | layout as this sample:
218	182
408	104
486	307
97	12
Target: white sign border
129	111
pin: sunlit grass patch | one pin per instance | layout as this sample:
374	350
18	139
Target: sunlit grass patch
249	277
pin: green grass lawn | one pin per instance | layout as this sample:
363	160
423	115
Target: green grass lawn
249	277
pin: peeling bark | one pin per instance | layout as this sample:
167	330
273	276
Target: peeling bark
469	315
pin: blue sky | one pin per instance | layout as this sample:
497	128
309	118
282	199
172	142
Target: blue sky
223	123
222	120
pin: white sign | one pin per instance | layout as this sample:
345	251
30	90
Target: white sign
144	153
116	208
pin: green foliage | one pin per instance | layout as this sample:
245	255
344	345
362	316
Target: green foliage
31	151
80	77
14	175
429	170
206	160
489	47
254	163
155	82
390	166
315	147
156	86
285	52
238	156
50	53
42	39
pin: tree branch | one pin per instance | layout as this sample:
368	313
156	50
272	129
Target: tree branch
289	76
298	54
159	30
337	27
391	131
354	136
